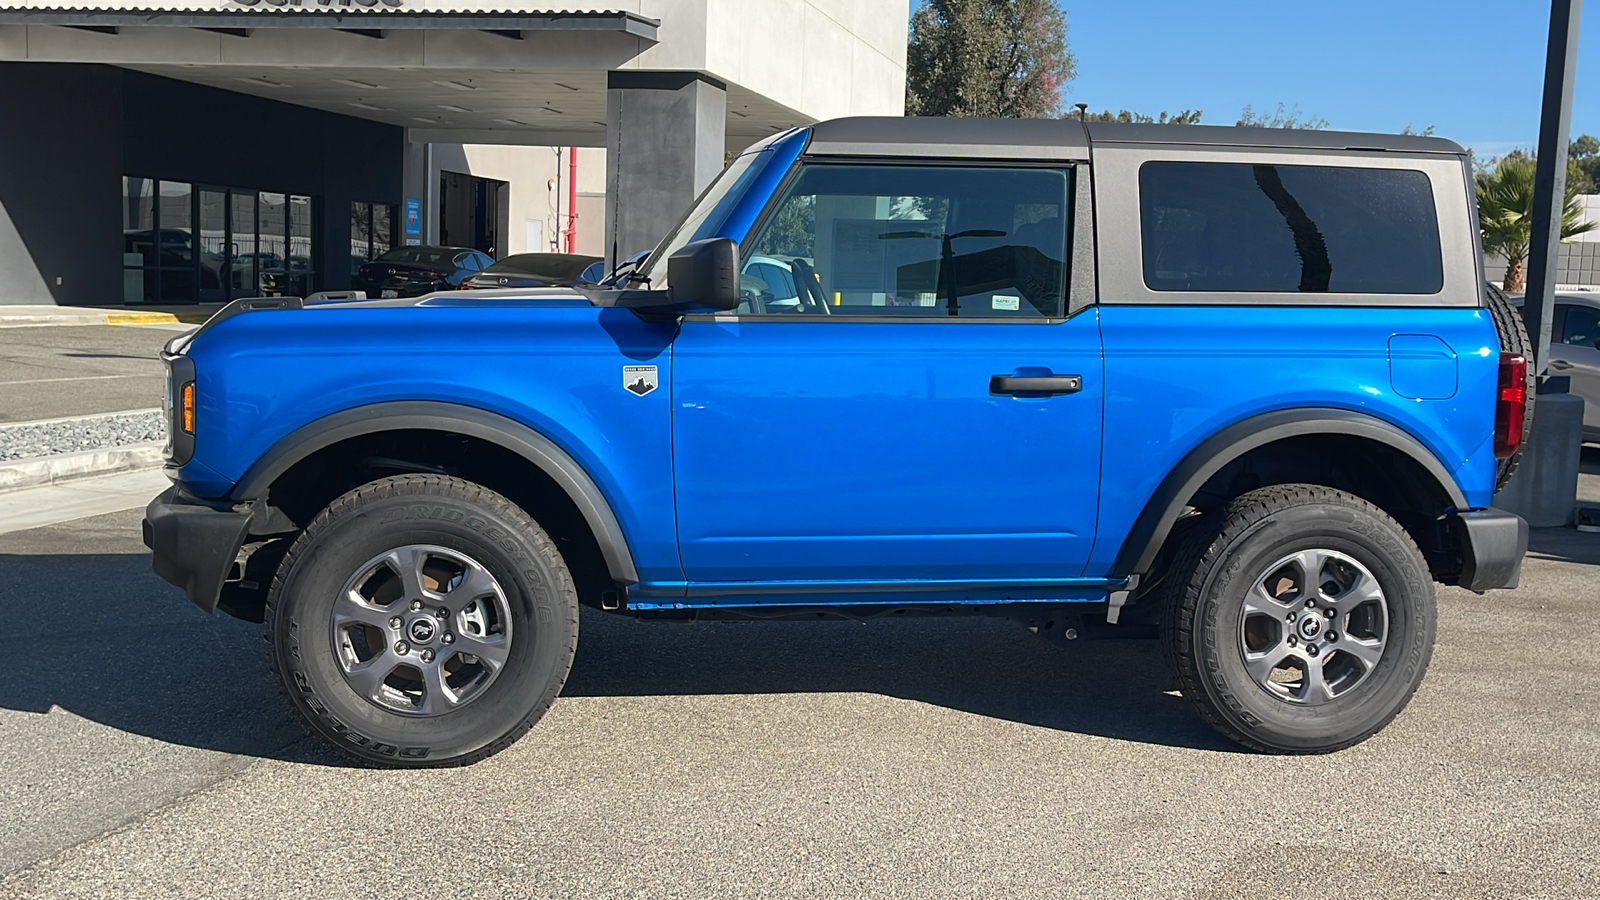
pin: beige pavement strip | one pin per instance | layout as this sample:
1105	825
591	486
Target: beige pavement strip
52	504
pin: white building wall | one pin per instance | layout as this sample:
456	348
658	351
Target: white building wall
538	179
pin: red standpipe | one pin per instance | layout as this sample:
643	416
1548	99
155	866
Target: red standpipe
572	197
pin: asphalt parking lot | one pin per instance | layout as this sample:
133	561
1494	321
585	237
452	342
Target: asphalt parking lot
147	755
50	372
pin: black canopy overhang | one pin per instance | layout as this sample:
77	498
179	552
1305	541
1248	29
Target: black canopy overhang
370	24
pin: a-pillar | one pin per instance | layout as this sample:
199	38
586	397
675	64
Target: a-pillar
665	133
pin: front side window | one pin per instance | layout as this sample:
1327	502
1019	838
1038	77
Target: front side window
1581	327
913	241
1239	227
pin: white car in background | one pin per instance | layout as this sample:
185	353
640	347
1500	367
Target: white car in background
1575	351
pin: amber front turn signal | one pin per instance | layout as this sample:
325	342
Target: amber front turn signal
186	409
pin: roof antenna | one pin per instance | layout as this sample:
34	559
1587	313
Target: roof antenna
1082	108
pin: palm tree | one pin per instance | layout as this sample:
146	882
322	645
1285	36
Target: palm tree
1505	212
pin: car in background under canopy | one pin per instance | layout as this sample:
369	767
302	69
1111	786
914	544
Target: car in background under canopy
417	270
525	270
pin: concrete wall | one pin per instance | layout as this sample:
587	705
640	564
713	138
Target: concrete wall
61	148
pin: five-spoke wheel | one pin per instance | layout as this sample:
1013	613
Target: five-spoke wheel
1299	619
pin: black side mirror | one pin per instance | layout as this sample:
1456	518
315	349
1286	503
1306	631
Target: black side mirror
704	274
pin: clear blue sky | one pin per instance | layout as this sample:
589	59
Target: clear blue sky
1471	68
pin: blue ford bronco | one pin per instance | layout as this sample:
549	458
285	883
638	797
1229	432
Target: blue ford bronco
1242	390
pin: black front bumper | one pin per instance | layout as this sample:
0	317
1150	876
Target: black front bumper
1493	543
193	545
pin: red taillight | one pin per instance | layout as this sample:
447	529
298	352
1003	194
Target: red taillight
1511	405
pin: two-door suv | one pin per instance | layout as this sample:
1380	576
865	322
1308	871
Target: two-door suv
1242	388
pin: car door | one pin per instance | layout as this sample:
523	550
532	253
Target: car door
928	415
1575	351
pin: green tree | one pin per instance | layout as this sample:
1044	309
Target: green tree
1283	117
1187	117
1585	152
987	58
1505	211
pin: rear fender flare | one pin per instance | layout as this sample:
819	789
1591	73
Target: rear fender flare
425	415
1155	522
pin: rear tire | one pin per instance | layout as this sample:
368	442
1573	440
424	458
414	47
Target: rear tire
1301	621
421	621
1513	334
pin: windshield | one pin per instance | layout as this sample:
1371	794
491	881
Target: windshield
706	216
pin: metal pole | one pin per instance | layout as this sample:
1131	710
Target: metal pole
1550	175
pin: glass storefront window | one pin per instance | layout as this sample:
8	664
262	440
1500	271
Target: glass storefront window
187	244
242	262
175	230
138	239
371	232
360	234
382	228
299	262
213	245
273	237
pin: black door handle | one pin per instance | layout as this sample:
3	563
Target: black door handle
1035	384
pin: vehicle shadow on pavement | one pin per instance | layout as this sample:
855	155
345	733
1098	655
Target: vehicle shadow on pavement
112	643
984	666
108	641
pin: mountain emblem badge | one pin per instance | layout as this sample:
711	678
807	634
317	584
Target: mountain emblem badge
640	380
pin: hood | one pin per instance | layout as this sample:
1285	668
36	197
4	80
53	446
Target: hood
480	299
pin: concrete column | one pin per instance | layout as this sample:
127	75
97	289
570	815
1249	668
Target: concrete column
416	179
665	133
1544	489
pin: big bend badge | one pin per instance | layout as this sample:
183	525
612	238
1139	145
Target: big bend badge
640	380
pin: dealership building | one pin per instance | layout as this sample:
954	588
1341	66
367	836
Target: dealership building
195	151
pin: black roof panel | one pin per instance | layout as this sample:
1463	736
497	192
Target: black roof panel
919	136
1065	139
1293	138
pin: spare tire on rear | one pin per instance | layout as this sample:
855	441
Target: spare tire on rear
1513	333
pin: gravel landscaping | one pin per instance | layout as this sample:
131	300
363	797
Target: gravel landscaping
28	440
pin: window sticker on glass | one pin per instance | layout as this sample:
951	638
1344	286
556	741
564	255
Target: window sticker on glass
1006	302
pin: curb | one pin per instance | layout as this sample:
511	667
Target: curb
39	470
36	316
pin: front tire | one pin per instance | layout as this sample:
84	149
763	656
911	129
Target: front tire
421	621
1304	623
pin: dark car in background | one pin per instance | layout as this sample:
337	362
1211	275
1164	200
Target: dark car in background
417	270
531	270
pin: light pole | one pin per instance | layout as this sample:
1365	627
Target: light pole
1550	175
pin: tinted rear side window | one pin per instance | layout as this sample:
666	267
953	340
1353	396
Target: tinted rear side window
1246	228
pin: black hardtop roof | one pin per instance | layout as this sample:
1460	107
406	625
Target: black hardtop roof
1070	139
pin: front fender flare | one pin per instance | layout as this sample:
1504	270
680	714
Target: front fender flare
1155	522
428	415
